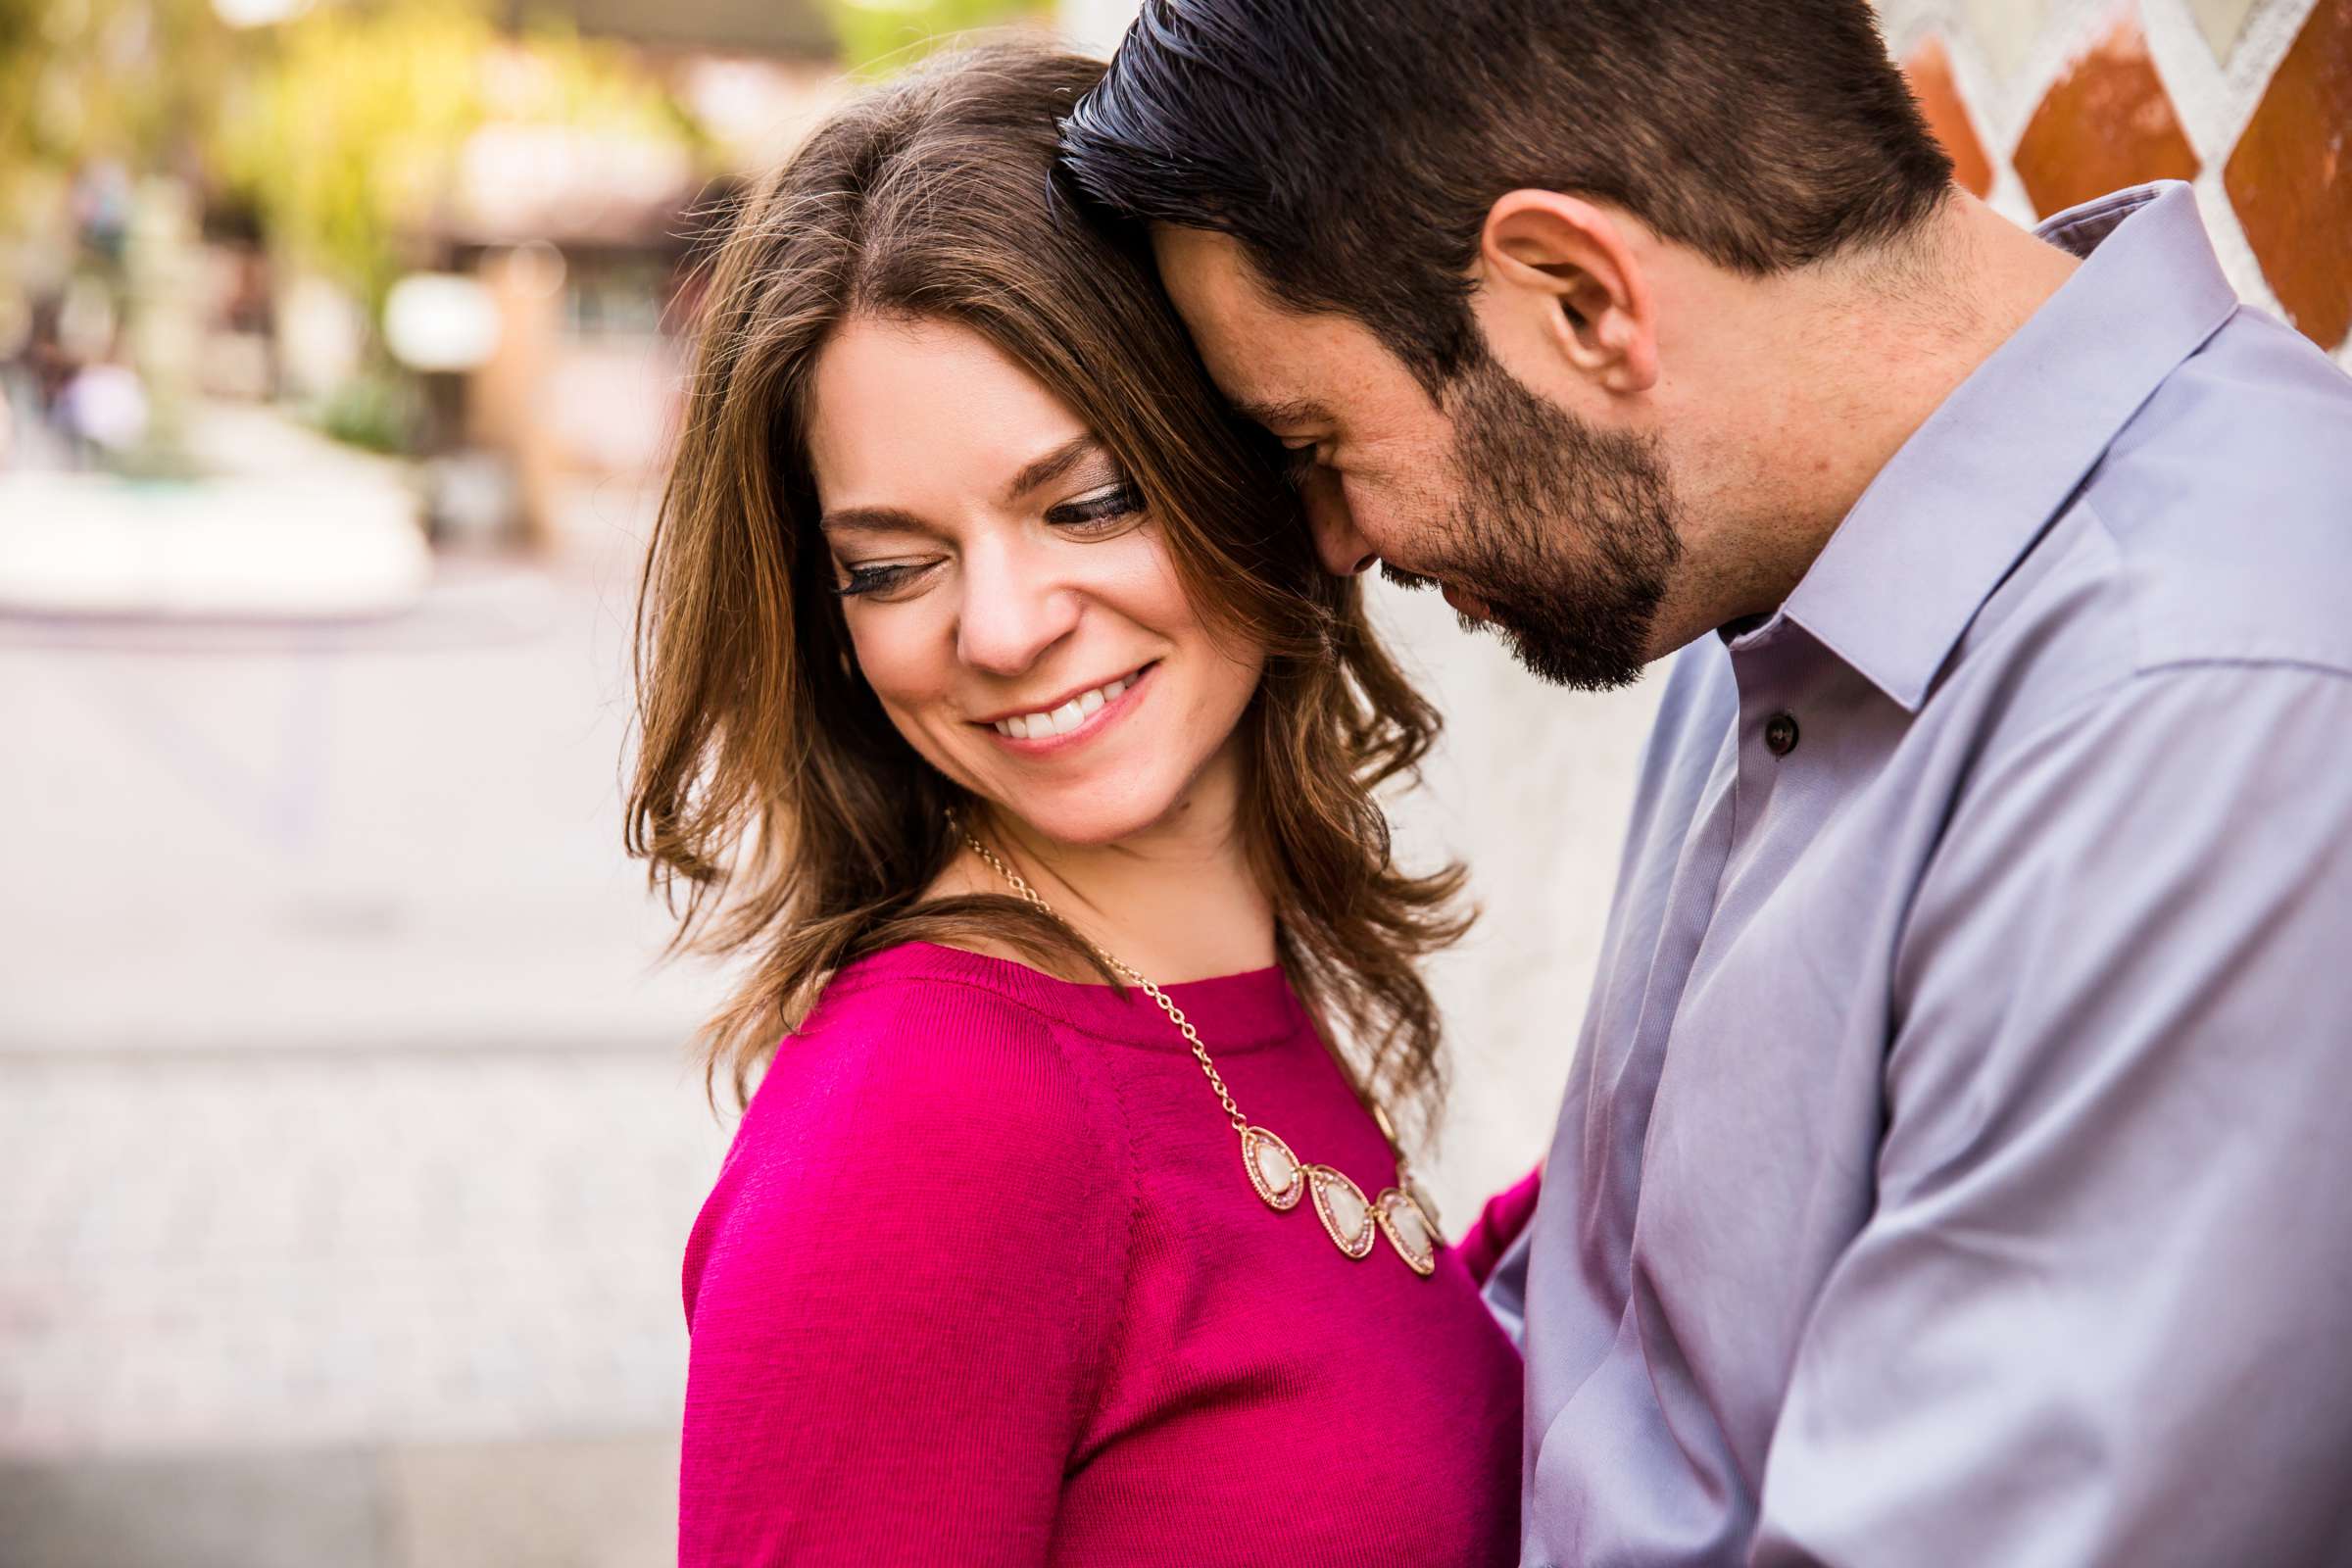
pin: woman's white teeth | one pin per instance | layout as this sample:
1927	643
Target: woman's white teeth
1067	717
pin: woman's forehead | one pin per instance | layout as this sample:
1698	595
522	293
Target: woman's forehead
900	406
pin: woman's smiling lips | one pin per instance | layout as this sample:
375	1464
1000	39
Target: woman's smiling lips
1071	719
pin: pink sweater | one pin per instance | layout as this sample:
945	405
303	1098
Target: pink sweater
982	1282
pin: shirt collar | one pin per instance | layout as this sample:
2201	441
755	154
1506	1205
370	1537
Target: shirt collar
1962	501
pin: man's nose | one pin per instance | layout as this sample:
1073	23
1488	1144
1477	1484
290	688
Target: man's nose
1011	612
1339	543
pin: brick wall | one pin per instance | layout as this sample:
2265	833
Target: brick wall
2045	103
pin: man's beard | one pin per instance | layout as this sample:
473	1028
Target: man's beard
1564	530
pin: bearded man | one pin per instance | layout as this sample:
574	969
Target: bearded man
1953	1165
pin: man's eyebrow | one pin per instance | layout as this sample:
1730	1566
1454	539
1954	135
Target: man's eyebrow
1274	415
872	519
1051	467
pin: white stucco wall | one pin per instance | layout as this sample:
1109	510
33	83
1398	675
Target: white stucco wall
2216	59
1530	788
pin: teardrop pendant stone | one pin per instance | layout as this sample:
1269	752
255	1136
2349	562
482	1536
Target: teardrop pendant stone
1273	1169
1421	1201
1408	1230
1345	1213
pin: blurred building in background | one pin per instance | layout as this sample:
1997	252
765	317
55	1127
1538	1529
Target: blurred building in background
347	1142
435	229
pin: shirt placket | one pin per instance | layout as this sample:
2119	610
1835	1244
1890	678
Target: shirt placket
1769	667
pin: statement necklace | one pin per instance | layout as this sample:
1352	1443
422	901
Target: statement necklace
1348	1218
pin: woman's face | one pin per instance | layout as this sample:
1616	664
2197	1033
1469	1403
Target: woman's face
1009	599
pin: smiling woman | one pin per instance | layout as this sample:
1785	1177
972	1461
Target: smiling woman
984	657
886	517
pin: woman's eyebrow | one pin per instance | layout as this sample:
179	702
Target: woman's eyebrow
1051	467
872	519
1041	471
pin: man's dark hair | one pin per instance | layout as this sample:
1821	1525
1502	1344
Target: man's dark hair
1354	147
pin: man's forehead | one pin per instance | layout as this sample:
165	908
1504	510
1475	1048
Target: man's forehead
1230	314
1208	276
1196	255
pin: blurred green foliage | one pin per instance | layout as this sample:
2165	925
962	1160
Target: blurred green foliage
19	28
878	34
136	82
374	409
352	124
351	133
341	128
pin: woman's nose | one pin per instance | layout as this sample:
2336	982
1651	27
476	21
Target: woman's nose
1011	612
1339	543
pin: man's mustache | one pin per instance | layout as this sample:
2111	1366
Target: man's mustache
1411	581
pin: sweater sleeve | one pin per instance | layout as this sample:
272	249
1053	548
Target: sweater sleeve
900	1293
1498	1225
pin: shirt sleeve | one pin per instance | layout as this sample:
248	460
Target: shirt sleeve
2097	1316
900	1296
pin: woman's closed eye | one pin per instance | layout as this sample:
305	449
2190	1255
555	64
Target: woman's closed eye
858	580
1100	514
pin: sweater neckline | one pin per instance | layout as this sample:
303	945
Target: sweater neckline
1248	1011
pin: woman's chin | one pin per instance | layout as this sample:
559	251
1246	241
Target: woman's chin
1090	813
1084	827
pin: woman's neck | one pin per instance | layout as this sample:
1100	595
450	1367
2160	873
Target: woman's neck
1175	902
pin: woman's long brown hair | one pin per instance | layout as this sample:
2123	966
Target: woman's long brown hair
781	813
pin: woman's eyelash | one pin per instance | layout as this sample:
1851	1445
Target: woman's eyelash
872	579
1117	503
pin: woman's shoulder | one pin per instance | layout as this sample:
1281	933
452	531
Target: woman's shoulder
910	1100
920	1015
921	1155
931	1060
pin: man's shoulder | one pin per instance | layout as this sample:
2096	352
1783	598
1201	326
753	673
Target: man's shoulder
2227	503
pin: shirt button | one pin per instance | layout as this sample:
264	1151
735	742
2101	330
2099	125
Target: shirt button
1780	734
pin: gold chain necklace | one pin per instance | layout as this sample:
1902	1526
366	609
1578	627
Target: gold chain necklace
1277	1175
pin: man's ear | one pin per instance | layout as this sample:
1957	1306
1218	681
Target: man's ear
1569	260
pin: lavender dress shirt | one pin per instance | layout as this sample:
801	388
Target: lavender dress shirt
1955	1167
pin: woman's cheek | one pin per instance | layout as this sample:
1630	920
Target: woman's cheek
897	652
1152	572
904	679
